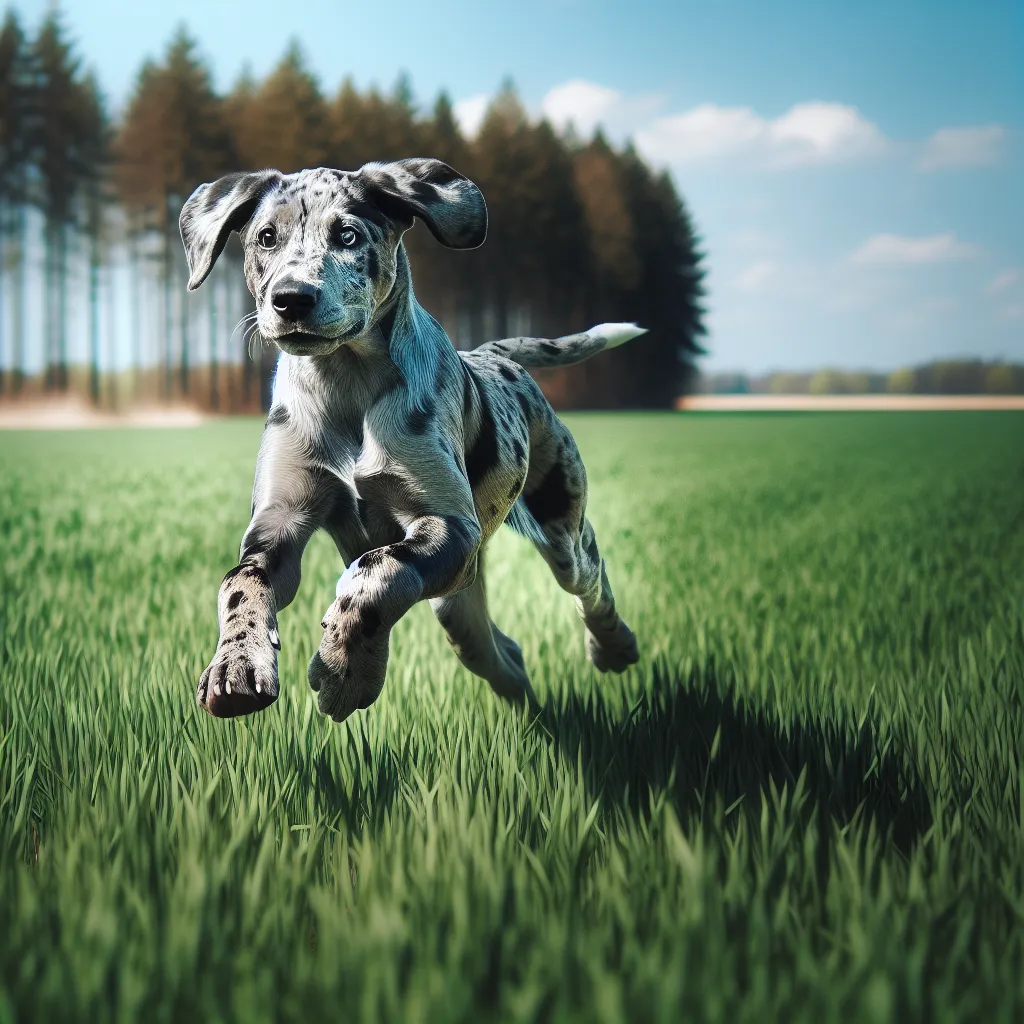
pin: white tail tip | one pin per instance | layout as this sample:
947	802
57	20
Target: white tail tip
616	334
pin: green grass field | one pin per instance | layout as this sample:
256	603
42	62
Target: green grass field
805	802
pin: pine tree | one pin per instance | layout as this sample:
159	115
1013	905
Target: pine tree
283	121
172	139
16	131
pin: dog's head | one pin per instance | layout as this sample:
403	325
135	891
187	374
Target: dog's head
321	246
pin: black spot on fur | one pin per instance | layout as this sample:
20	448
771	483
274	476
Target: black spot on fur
248	572
373	263
550	347
370	621
467	391
508	373
524	404
421	416
256	543
344	603
551	500
513	491
492	510
372	558
483	456
519	451
235	600
278	416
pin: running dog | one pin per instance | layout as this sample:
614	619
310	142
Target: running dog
407	452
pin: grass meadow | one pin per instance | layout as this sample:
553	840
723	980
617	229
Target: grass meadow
805	803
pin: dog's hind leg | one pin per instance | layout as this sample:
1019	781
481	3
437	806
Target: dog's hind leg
480	645
554	504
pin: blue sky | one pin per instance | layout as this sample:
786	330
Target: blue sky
855	170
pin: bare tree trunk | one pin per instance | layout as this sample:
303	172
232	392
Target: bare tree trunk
18	301
135	271
214	396
114	379
94	317
168	359
62	277
48	329
184	332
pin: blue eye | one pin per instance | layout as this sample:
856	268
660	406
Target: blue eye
266	238
348	237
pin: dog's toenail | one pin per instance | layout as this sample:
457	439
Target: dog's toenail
275	639
259	689
227	687
216	689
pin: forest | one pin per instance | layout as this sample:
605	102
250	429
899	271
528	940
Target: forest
92	277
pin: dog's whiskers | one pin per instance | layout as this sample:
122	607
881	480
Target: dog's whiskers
254	342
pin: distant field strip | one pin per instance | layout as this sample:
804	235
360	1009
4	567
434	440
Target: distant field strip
850	403
804	804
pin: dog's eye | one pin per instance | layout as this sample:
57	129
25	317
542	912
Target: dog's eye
267	238
347	237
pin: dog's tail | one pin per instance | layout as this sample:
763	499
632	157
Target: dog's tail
573	348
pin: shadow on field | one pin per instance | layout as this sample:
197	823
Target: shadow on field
667	742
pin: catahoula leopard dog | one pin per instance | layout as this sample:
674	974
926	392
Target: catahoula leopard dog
407	452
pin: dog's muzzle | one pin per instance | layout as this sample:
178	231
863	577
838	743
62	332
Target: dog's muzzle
294	301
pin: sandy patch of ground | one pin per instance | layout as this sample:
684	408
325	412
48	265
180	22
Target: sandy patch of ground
70	412
845	403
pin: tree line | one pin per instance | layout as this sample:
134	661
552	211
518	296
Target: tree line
941	377
581	231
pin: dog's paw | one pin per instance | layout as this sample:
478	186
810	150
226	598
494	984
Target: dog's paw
242	678
510	680
348	670
615	651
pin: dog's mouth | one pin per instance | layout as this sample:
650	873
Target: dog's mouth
318	339
305	343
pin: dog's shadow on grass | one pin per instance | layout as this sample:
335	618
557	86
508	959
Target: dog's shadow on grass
685	738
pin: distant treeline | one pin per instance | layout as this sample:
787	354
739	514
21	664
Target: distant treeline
943	377
580	231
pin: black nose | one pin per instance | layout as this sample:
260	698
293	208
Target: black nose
293	300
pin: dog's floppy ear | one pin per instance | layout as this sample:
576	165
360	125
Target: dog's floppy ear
216	209
446	201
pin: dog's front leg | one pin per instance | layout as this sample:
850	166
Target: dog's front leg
290	500
438	556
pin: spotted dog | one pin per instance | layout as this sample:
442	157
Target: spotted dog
408	453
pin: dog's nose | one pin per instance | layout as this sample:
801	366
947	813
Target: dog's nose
294	300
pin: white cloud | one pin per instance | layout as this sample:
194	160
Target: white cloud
808	133
587	106
1004	281
813	132
581	103
824	133
975	146
470	113
889	249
